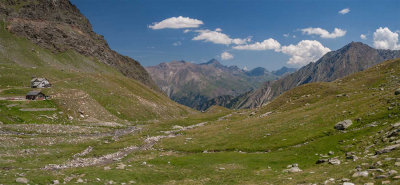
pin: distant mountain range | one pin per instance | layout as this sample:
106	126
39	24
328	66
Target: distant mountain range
195	85
352	58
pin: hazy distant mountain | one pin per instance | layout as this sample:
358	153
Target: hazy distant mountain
194	84
352	58
284	70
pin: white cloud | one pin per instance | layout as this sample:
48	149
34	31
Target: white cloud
386	39
217	37
177	43
177	22
269	44
363	37
186	31
304	52
323	33
344	11
226	56
218	29
286	35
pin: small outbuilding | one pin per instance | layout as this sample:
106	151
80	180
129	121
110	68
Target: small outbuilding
35	95
40	83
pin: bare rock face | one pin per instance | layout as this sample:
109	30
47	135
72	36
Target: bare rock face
59	26
343	124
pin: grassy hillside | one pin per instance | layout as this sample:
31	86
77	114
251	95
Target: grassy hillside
221	146
80	84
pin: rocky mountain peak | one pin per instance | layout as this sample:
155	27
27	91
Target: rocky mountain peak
59	26
213	62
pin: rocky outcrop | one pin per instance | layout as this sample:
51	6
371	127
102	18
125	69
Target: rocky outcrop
352	58
59	26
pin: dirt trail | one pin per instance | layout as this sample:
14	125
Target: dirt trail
148	143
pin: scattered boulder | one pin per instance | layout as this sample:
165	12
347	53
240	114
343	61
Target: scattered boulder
392	172
381	177
22	180
343	124
55	182
397	92
361	174
387	149
177	127
320	161
345	180
385	182
334	161
348	183
79	180
121	166
351	156
107	168
293	168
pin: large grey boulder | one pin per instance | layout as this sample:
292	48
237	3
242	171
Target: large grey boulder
293	168
343	124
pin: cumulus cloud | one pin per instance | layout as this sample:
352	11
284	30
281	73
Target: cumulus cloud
363	37
176	23
269	44
218	29
217	37
186	31
386	39
226	56
344	11
304	52
324	33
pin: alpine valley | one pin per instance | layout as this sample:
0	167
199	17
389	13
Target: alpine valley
74	111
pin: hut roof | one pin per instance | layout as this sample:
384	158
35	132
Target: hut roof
34	93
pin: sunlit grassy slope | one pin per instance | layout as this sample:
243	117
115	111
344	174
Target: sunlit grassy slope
244	147
79	84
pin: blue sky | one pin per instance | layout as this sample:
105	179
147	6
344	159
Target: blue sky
295	32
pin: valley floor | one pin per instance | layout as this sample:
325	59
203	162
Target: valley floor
279	143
